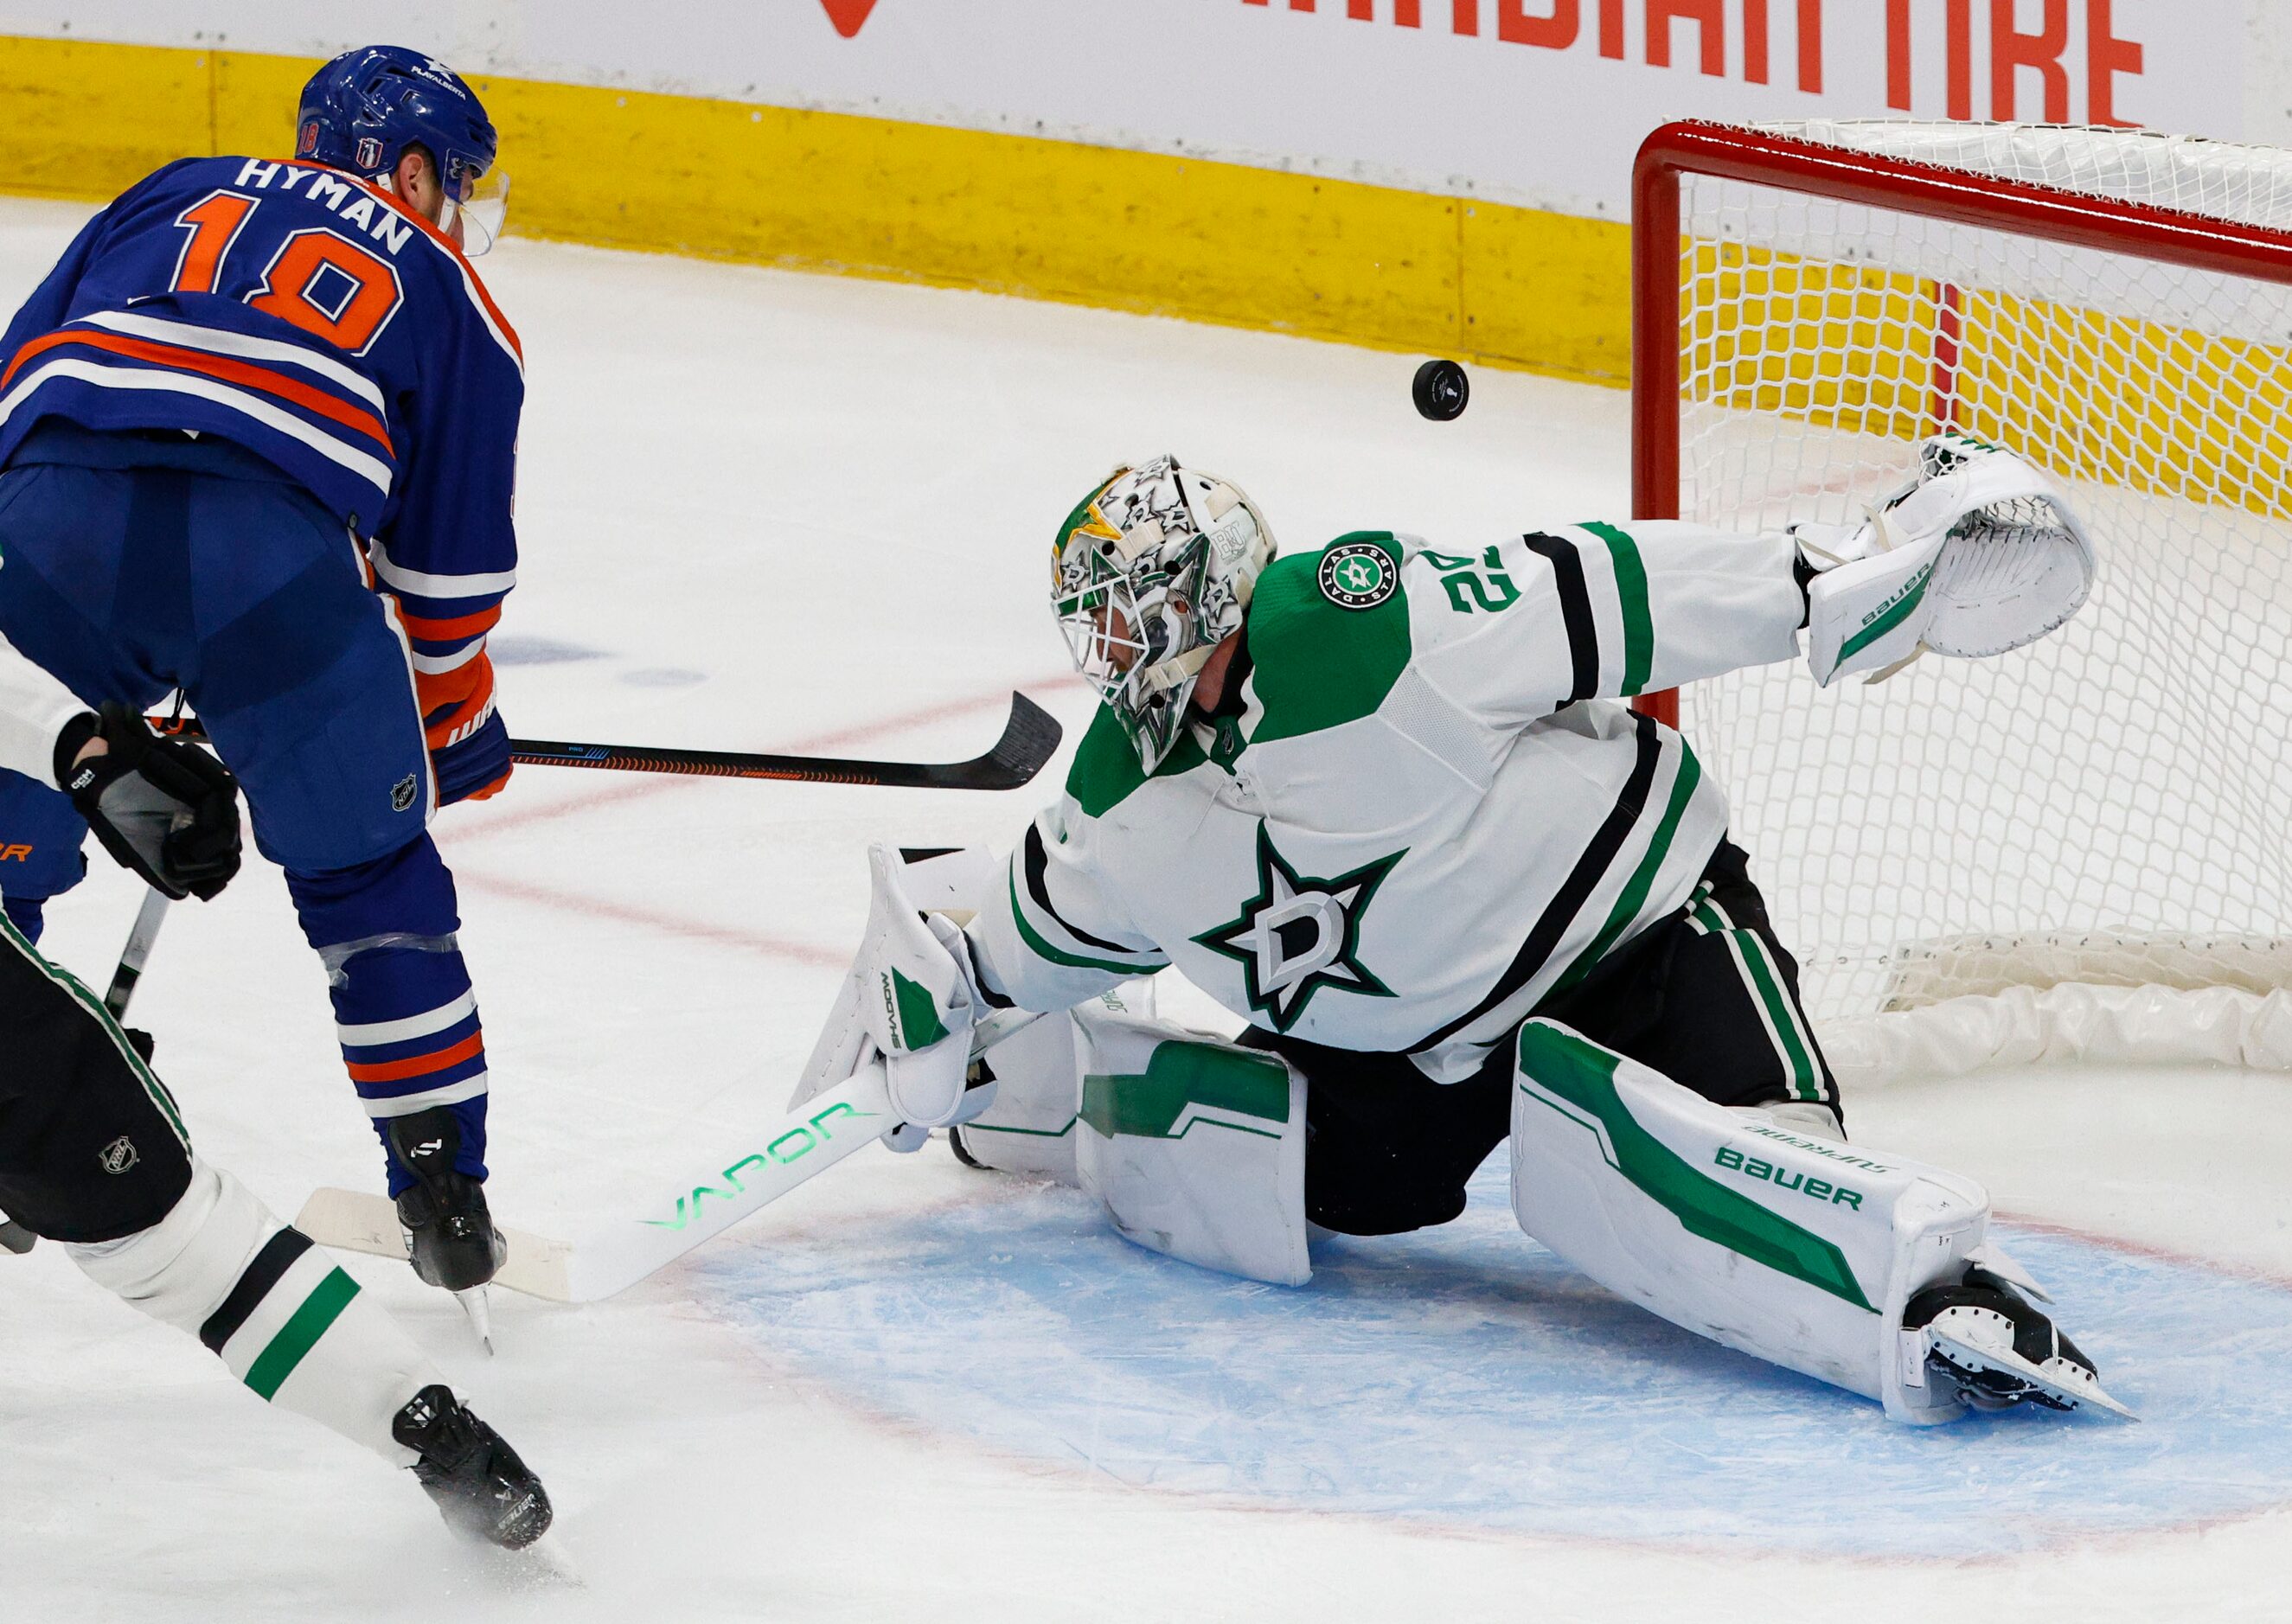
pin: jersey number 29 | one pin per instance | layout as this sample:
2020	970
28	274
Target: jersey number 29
319	280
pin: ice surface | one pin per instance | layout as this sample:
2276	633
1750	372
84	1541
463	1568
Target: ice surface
770	512
1466	1377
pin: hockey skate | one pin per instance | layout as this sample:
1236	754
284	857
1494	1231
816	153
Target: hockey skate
481	1488
1990	1343
450	1232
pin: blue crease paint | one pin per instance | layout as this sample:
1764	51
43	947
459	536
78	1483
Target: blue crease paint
1465	1375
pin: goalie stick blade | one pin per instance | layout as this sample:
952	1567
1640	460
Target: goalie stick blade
700	1204
709	1197
354	1221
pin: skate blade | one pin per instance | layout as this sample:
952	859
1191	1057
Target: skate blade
2070	1387
481	1313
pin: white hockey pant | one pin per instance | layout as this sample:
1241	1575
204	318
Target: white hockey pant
281	1314
1796	1248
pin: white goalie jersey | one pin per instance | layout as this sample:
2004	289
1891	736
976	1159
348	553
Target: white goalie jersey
1429	812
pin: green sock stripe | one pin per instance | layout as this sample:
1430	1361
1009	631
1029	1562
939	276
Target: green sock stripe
1632	593
301	1333
94	1006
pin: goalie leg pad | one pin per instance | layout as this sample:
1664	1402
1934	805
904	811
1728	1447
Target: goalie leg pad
1195	1146
1030	1127
1797	1248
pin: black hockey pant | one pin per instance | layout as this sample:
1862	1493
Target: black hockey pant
91	1147
1707	996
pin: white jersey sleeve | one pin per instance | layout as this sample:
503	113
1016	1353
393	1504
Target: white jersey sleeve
1050	935
1598	611
34	708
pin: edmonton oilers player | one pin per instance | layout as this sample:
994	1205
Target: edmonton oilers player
257	443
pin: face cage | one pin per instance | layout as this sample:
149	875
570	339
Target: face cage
1118	636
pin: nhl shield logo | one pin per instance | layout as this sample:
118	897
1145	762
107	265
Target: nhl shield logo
401	794
1358	575
117	1156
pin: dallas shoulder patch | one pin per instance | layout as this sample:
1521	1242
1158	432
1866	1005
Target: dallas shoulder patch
1357	574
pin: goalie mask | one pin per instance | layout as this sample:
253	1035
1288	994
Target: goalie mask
1150	573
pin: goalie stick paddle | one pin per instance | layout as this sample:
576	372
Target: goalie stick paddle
700	1204
1031	737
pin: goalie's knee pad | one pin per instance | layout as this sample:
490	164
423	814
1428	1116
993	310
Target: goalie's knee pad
1196	1146
1795	1247
1029	1129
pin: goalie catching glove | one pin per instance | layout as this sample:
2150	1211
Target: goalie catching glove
910	998
1978	554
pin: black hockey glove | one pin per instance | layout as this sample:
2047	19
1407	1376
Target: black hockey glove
164	807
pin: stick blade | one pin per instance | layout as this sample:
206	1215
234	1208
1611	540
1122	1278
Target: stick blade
354	1221
1030	738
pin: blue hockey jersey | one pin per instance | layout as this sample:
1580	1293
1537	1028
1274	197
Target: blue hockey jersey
308	315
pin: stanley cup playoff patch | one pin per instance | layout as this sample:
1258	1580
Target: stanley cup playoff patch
1358	575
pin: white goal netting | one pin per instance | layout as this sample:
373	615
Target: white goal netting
2084	846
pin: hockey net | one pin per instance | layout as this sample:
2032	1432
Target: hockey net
2079	850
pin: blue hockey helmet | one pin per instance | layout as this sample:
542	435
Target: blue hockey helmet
365	109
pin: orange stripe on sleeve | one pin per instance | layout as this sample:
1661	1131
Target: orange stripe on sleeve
447	630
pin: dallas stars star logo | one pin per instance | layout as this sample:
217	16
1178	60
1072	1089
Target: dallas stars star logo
1299	934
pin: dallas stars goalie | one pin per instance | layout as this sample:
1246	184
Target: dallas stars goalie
1382	801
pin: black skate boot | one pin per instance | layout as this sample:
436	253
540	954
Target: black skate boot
481	1489
450	1232
1996	1350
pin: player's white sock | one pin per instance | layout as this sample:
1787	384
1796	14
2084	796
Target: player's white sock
274	1307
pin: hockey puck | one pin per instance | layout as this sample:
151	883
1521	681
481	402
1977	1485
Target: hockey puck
1441	391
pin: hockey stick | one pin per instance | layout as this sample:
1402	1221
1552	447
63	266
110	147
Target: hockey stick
617	1254
14	1236
1031	737
148	918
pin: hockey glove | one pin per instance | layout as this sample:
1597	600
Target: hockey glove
910	997
164	807
472	768
1976	555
